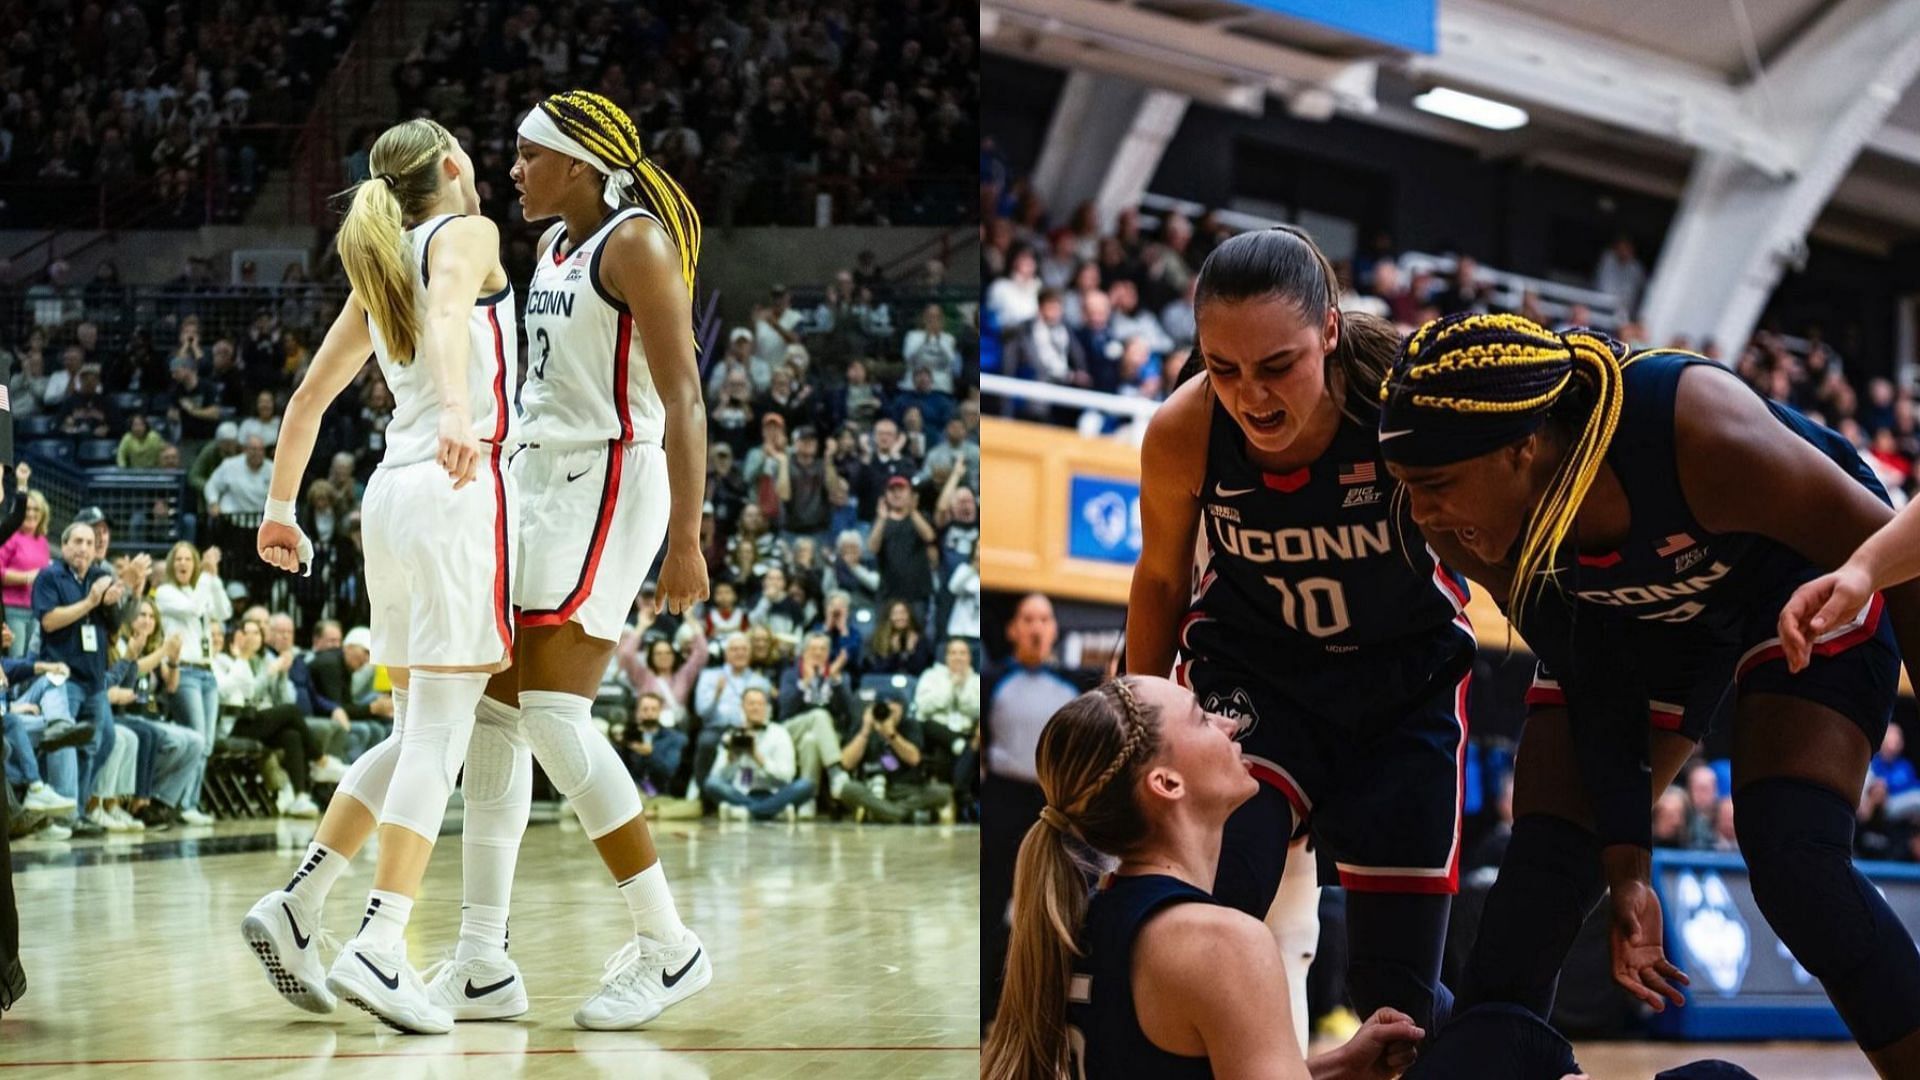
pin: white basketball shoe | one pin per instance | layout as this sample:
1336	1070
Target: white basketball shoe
642	980
284	932
384	984
477	989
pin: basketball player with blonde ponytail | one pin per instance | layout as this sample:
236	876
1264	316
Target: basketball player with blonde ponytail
1647	516
431	302
1150	976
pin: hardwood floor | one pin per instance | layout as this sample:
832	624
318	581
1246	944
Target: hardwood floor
848	951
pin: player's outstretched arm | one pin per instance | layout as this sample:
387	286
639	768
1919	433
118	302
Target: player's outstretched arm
642	268
1173	464
1891	556
340	357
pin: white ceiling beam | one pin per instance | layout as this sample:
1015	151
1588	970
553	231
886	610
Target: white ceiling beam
1531	61
1179	45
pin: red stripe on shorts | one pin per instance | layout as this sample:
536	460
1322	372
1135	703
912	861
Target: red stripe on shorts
602	527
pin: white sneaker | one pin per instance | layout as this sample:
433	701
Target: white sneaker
384	984
477	989
128	823
332	772
730	812
42	798
99	816
52	830
283	799
284	932
809	810
196	817
642	980
302	806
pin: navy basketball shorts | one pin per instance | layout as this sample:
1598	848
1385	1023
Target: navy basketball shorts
1379	787
1854	670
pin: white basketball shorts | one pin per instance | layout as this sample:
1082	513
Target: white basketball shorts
440	564
592	519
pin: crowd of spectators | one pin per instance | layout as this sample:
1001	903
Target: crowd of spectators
755	108
1111	309
167	100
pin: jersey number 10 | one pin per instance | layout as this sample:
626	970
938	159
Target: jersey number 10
1316	606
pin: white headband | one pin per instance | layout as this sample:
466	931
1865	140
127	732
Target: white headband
538	128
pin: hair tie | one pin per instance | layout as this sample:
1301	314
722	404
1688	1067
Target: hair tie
1057	821
388	177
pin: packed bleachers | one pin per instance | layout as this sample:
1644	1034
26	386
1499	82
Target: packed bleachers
150	114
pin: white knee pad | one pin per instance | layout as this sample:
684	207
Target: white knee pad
580	761
499	764
439	725
367	778
1294	921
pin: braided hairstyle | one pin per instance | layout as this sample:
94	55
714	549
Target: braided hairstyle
1091	756
605	129
1469	384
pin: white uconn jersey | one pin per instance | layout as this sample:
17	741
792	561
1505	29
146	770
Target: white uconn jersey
413	435
587	376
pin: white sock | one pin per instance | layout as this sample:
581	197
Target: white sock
483	933
318	871
651	904
386	919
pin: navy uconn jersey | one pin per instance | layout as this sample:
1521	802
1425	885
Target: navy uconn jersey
1670	569
1305	567
1103	1030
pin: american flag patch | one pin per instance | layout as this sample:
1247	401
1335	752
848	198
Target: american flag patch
1675	544
1363	473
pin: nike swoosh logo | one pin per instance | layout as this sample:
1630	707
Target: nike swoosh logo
1385	435
668	980
298	938
391	982
1226	492
483	991
571	477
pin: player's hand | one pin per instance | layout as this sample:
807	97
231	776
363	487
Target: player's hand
683	579
1384	1047
284	546
22	476
459	450
1640	963
210	560
1819	606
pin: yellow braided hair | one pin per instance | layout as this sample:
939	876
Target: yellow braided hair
1508	366
605	129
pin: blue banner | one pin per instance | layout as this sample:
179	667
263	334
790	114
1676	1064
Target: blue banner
1746	985
1407	24
1105	519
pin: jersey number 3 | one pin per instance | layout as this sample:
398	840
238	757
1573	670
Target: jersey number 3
540	369
1321	601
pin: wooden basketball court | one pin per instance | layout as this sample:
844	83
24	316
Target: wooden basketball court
848	951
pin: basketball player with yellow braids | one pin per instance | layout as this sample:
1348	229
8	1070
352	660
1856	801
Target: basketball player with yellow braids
1647	515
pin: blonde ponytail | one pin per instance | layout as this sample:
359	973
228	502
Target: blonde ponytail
1090	756
372	240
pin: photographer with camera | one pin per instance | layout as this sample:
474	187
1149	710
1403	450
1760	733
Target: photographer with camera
883	763
753	775
650	751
